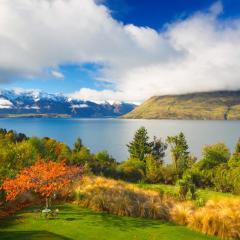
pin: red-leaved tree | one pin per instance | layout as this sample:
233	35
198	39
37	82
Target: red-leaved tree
44	178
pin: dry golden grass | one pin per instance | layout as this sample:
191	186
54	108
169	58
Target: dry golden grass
181	212
218	217
122	199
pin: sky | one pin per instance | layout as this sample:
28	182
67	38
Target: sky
120	50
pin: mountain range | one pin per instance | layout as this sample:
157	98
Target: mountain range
36	103
203	105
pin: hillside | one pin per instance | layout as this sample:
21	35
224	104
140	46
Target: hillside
31	103
208	105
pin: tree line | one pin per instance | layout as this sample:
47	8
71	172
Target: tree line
217	168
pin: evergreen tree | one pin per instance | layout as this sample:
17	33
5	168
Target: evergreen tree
139	147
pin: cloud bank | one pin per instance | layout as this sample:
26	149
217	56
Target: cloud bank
200	53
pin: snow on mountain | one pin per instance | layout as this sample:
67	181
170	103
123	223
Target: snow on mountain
5	104
33	101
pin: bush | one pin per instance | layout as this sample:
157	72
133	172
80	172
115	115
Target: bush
153	170
104	164
199	177
214	155
222	179
82	157
169	174
183	189
132	170
187	187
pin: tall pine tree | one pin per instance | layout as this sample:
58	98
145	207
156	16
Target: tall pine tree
139	147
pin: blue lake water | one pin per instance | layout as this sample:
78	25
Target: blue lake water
113	134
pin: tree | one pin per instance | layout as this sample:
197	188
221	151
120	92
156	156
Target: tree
45	178
139	147
25	154
158	150
180	153
214	155
103	163
56	151
39	145
82	157
77	145
153	169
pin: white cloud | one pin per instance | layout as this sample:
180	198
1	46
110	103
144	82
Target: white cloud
199	53
97	96
57	74
216	8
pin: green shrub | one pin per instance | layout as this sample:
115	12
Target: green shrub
82	157
132	170
214	155
222	178
153	170
169	174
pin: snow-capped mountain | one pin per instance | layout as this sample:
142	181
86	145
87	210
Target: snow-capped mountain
37	102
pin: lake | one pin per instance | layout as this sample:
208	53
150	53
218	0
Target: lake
113	134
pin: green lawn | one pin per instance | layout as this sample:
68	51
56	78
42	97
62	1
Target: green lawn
205	194
78	223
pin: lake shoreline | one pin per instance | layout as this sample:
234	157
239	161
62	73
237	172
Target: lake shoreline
67	116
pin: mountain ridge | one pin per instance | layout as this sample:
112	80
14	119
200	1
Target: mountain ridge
38	103
219	105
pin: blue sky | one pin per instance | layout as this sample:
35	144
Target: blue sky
74	77
99	70
156	13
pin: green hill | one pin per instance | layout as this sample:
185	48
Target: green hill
206	105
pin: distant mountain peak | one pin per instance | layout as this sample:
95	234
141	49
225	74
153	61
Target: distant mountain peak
19	101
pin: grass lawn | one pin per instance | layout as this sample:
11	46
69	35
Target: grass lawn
205	194
78	223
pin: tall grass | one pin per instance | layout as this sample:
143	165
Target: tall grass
218	217
122	199
181	212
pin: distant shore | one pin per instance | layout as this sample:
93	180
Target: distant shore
32	115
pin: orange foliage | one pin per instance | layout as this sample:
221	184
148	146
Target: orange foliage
45	178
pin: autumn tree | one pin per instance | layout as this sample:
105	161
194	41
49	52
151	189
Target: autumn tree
44	178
